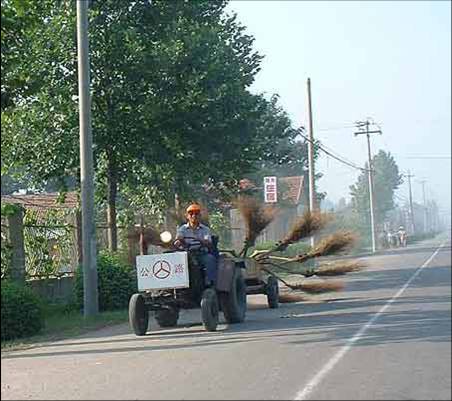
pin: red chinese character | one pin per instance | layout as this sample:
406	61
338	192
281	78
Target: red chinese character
179	269
271	196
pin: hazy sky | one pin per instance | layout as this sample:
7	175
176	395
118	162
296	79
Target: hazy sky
385	59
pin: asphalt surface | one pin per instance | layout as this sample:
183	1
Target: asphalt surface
386	336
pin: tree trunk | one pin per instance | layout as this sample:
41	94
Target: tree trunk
131	246
143	243
78	233
111	208
16	236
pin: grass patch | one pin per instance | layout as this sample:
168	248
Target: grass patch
62	322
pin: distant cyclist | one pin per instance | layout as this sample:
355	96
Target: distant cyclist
402	236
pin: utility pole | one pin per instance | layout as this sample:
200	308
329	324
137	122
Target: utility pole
409	175
312	202
361	125
425	204
90	296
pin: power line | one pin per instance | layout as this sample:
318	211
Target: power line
338	158
400	198
336	128
342	157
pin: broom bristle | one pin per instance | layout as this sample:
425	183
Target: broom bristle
150	235
256	217
338	269
335	243
305	226
291	297
318	287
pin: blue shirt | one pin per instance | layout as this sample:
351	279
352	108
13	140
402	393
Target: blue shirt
201	232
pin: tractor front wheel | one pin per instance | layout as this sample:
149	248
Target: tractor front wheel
138	314
209	309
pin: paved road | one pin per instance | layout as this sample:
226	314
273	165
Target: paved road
387	336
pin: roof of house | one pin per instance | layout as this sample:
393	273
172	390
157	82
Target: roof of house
43	201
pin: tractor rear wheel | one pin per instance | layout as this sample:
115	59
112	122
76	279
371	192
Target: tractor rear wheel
272	290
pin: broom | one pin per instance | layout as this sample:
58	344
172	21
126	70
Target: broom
305	226
330	269
150	235
256	219
291	297
311	287
330	245
338	269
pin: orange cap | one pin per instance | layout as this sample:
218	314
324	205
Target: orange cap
194	207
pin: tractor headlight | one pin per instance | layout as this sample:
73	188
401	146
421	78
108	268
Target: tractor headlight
166	236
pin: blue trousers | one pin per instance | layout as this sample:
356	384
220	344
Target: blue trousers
209	261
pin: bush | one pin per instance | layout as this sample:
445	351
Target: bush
22	312
116	283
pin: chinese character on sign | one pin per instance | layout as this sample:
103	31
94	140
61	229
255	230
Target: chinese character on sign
270	189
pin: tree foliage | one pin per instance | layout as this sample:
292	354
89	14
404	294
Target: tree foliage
386	180
171	109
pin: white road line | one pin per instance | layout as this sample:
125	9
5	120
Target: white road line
315	381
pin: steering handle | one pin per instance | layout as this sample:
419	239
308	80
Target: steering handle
187	246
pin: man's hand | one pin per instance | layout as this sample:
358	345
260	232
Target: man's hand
206	243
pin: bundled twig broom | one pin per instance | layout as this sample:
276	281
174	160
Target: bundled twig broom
291	297
150	235
338	269
256	217
333	244
324	270
304	227
308	286
318	287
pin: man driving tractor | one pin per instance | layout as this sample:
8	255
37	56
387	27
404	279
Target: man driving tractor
197	236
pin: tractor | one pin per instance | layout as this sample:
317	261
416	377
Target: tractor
175	280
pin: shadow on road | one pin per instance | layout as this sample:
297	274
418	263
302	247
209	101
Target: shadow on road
292	324
417	318
394	277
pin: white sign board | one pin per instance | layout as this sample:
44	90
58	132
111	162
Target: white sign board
270	190
164	270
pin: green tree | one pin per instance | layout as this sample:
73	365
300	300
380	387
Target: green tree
170	100
283	149
386	180
19	18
